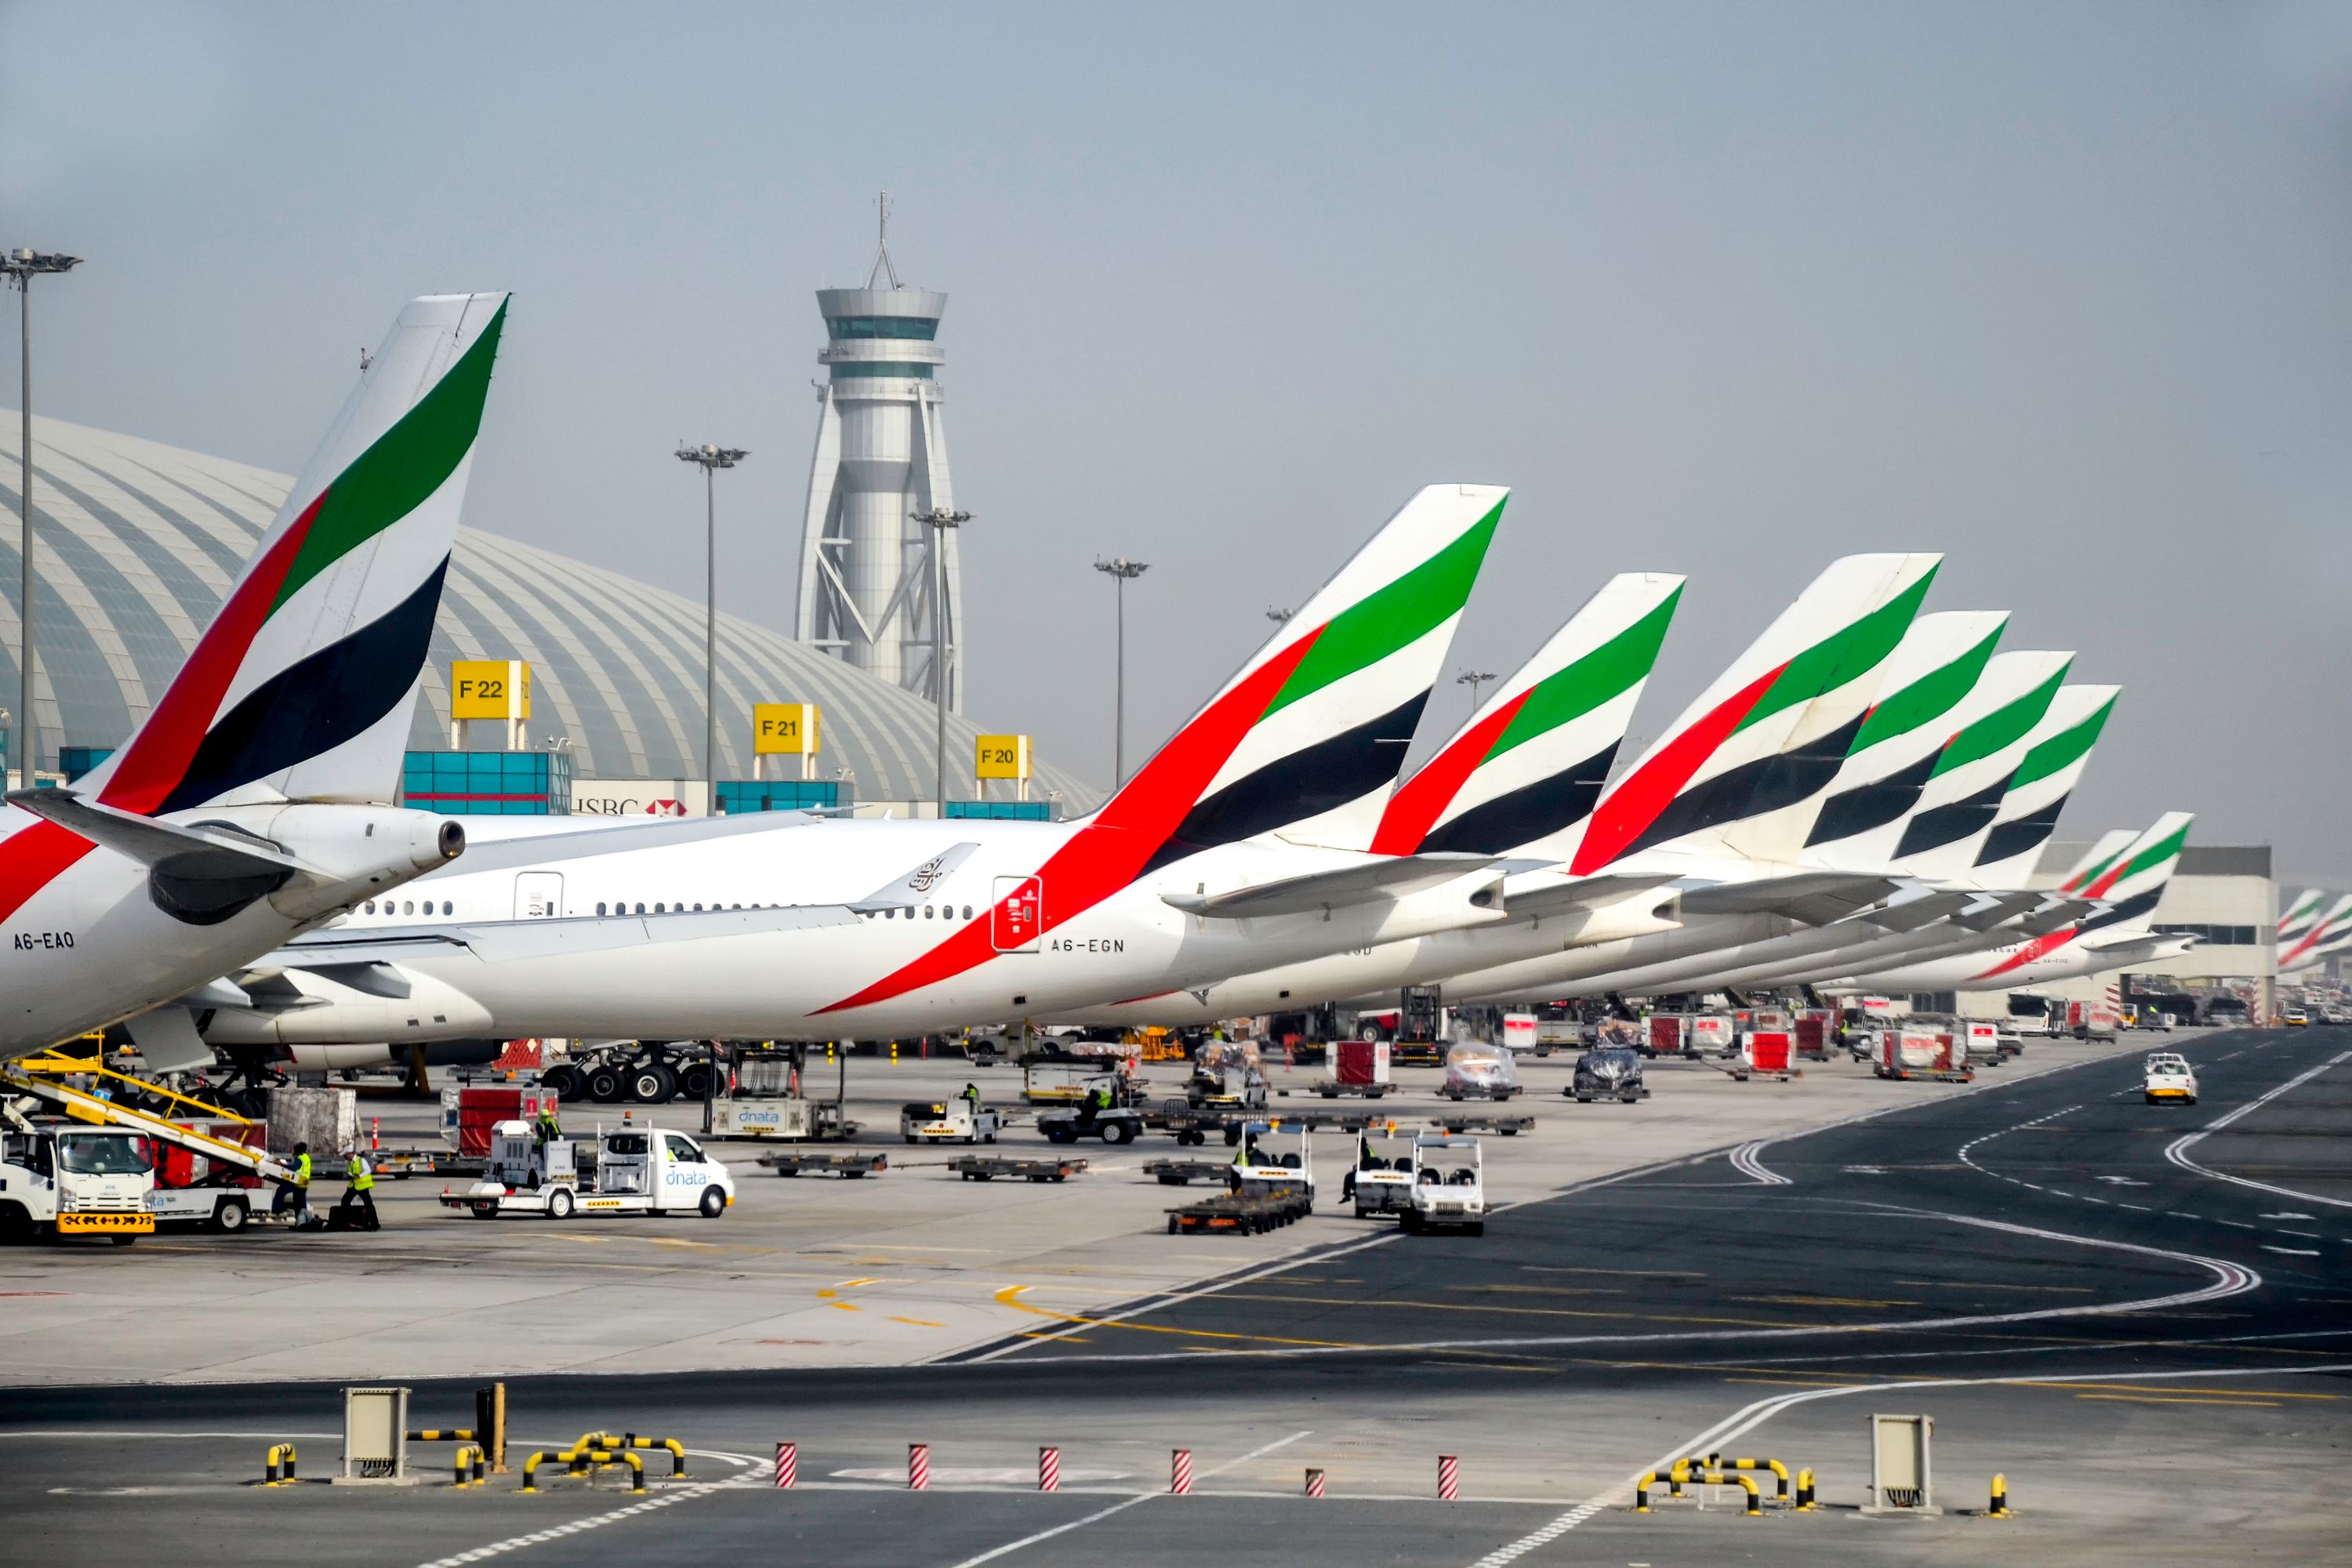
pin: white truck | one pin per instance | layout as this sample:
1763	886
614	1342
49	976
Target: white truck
638	1170
1449	1185
956	1121
67	1179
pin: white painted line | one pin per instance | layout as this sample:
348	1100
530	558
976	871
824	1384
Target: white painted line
2177	1152
2291	1251
753	1474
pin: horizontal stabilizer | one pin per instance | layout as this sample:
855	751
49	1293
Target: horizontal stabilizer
1998	909
167	1038
1583	893
1391	877
1830	894
908	890
195	854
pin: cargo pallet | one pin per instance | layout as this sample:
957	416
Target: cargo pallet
850	1167
1185	1173
1242	1216
1460	1122
1331	1090
988	1167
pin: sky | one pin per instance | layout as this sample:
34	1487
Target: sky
2058	290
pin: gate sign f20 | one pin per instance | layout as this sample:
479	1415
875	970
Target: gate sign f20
1019	915
489	688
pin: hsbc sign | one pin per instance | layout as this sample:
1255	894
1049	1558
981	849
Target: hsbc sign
638	797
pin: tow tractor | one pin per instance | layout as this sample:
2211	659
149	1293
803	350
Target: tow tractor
1259	1171
637	1170
1114	1123
1227	1073
1449	1185
1383	1182
956	1121
2169	1078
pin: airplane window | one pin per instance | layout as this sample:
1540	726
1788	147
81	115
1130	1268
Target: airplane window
600	908
371	906
447	908
967	912
408	909
927	912
657	908
697	909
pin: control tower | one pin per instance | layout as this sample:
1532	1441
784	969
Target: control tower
866	586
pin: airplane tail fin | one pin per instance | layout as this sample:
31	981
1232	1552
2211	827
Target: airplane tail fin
2319	938
1309	737
1935	667
1722	760
2298	918
1522	773
1992	730
2133	882
2057	751
302	688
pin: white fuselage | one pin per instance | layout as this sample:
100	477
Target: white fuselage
964	953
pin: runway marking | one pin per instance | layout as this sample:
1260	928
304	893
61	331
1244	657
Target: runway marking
1992	1285
2178	1151
2291	1251
2234	1392
2284	1216
1619	1273
1512	1311
2199	1399
1011	1546
2229	1279
751	1474
1744	1160
1823	1301
918	1322
1741	1422
844	1306
1007	1298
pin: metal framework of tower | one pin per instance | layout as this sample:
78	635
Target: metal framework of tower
866	579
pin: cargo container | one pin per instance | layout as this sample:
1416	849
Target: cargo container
469	1116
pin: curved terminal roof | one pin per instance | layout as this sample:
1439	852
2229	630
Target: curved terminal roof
139	541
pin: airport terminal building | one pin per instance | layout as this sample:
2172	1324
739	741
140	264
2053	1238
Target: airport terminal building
139	542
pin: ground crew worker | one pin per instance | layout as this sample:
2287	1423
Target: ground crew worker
546	1130
294	1197
1097	1100
359	1189
971	1095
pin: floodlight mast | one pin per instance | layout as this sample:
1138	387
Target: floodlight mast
22	265
711	459
938	520
1120	569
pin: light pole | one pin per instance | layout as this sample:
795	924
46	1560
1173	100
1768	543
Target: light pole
711	459
23	265
1119	569
938	520
1473	679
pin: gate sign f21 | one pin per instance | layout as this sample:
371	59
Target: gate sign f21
783	729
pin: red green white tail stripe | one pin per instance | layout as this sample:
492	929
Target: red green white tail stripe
1991	730
1930	673
1521	774
2057	753
2316	941
1722	760
2129	879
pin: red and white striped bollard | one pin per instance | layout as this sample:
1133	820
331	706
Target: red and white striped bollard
788	1465
918	1467
1449	1478
1049	1469
1179	1472
1313	1483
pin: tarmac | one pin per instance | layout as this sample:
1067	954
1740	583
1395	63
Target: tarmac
2134	1313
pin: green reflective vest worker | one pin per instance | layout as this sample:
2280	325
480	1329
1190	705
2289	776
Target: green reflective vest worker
302	1170
547	1127
360	1176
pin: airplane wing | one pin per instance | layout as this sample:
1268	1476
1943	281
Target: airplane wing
1582	893
1390	876
1816	897
194	854
498	941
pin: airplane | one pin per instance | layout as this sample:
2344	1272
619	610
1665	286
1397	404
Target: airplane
2300	915
2128	883
244	810
1245	839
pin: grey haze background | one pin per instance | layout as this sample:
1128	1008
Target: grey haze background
2060	289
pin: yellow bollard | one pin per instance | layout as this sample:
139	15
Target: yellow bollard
1804	1492
458	1465
2000	1509
270	1474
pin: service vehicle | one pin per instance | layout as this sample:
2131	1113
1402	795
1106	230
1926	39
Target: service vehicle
637	1170
1449	1185
63	1178
1260	1172
956	1121
2296	1019
1112	1124
2155	1019
1066	1080
1474	1070
2168	1078
1381	1183
1611	1072
1227	1073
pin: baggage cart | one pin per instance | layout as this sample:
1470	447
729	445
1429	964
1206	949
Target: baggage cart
851	1167
988	1167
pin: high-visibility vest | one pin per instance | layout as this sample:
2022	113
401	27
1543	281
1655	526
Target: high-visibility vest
302	1170
361	1177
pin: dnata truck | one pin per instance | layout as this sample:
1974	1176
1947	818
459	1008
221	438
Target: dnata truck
638	1170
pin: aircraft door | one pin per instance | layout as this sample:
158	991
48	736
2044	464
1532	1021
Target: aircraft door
539	895
1018	916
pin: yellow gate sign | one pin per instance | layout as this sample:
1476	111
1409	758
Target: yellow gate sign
489	688
1001	757
783	729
